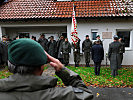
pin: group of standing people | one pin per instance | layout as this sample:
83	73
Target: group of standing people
61	49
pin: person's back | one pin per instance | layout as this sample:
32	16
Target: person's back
97	52
115	47
114	55
26	83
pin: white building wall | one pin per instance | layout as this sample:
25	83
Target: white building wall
35	31
84	28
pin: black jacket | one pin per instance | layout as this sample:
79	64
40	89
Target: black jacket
97	53
3	52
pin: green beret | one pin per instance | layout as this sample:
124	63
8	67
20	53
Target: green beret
26	52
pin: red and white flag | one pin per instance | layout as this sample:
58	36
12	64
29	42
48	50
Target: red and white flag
74	33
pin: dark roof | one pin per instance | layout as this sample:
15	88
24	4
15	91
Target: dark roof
28	9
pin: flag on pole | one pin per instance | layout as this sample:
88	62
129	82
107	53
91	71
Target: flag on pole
74	33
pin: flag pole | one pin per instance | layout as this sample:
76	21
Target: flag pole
74	34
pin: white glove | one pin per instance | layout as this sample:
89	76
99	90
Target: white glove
69	53
61	53
75	49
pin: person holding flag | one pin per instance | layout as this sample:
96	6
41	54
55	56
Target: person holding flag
75	40
76	52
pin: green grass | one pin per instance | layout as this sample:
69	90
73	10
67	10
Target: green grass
4	73
124	79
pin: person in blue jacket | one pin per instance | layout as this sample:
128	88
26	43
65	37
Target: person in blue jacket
97	56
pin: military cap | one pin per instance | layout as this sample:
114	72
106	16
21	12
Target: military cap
4	36
42	34
87	35
26	52
97	36
52	36
115	36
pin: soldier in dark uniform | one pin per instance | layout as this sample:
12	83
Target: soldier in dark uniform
76	52
52	47
33	38
5	49
66	50
114	56
5	40
3	54
59	45
86	48
43	42
122	49
98	39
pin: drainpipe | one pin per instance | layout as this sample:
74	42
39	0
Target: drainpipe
0	33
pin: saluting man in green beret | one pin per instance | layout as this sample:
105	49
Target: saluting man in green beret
26	60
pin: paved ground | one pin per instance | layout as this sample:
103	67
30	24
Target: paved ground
104	93
112	93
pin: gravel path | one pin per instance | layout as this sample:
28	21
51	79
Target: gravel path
50	71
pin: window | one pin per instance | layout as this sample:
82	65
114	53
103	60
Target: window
126	36
94	34
23	35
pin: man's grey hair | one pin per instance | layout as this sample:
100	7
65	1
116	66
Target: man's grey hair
21	69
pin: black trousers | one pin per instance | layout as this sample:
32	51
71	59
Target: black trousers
97	67
114	72
66	58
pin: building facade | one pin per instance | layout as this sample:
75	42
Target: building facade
54	18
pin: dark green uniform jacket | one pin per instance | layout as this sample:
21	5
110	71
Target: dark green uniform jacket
76	47
66	47
30	87
59	46
86	45
43	42
52	48
114	55
3	52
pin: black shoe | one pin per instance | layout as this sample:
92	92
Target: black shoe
66	64
87	64
98	74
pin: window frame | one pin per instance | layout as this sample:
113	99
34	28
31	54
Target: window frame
131	38
94	30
